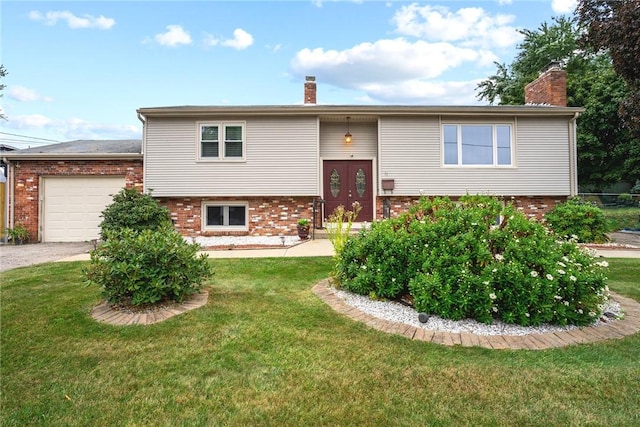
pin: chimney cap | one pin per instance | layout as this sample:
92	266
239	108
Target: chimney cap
311	78
551	66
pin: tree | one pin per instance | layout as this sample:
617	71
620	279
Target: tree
3	74
607	153
614	26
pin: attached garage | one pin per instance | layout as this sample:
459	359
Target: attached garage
58	191
72	206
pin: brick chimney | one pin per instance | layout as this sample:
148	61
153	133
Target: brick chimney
548	89
310	90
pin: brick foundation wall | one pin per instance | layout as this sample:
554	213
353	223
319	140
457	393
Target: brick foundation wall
532	206
268	216
27	182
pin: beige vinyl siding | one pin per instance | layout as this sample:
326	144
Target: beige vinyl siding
280	159
410	153
364	145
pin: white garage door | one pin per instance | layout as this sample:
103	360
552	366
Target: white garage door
72	206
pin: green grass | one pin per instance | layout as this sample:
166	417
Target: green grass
266	351
623	218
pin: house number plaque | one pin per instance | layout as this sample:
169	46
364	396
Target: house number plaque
360	182
334	182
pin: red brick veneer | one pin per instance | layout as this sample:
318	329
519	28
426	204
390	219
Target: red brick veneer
27	182
268	216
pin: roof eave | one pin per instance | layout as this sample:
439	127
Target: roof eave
72	156
314	110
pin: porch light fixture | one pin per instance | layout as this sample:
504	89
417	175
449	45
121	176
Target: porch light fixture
347	136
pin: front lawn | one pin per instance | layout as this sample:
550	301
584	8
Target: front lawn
266	351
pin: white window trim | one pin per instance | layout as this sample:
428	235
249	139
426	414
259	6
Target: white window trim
206	227
222	126
494	144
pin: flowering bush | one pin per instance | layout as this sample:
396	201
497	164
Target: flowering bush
475	259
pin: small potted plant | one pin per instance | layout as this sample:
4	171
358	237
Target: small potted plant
303	228
18	234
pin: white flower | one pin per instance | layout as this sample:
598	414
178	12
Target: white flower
364	267
592	314
486	282
549	277
562	264
495	309
602	264
572	278
393	279
580	310
534	274
565	302
561	272
495	270
526	314
498	257
557	297
565	259
492	295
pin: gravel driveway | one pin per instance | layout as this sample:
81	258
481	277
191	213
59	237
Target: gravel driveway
13	256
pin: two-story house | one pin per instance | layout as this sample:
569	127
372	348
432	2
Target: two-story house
255	170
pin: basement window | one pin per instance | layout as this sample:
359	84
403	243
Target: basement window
225	216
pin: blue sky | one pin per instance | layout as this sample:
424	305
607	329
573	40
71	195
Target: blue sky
80	69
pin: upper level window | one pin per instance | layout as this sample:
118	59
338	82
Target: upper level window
221	141
477	144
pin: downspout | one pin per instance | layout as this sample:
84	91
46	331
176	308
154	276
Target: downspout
573	178
144	141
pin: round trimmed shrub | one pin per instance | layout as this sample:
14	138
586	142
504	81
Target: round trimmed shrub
134	210
147	267
475	259
579	220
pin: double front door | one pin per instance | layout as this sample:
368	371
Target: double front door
346	182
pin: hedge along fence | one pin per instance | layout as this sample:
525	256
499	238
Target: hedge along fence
475	259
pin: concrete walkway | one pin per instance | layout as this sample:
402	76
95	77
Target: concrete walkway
323	247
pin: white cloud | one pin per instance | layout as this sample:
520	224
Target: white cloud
382	67
23	94
73	128
420	66
564	6
73	21
471	26
240	41
175	35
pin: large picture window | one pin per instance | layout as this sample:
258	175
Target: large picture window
221	141
228	216
477	144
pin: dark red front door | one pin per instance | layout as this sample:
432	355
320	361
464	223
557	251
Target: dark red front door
348	181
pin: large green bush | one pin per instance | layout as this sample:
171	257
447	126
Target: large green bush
147	267
475	259
135	210
580	220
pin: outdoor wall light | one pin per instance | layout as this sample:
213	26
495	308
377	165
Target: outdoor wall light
347	136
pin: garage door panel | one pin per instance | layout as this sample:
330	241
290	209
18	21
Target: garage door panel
72	206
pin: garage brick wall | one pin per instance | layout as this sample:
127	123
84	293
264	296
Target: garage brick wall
27	180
